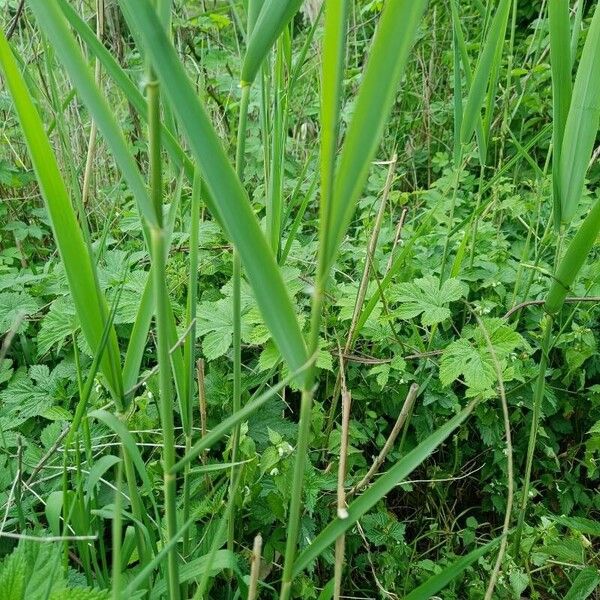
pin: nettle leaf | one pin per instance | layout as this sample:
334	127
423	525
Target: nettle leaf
383	529
461	358
425	297
129	300
6	370
15	307
38	392
470	358
215	323
59	324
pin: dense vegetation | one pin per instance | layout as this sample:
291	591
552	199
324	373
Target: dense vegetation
330	332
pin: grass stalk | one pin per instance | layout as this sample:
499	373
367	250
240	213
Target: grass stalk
157	235
538	397
117	531
189	359
342	510
237	317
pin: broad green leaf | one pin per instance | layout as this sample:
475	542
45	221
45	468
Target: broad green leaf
59	324
89	302
128	443
386	482
483	70
438	582
273	17
15	307
225	195
394	38
461	358
586	582
562	85
425	297
581	524
582	124
103	464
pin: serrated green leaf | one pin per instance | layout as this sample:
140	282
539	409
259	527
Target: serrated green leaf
586	582
425	297
460	358
15	307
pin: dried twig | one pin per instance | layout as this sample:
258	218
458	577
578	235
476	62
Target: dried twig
406	408
342	511
255	567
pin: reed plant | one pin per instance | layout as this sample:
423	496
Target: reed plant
182	142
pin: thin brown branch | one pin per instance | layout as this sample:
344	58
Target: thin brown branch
404	412
568	300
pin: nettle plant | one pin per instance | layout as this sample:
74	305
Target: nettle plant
181	138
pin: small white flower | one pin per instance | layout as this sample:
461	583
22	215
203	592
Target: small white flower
150	395
274	472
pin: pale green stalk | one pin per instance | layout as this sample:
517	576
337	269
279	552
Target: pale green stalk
336	15
157	236
117	530
237	317
538	397
189	358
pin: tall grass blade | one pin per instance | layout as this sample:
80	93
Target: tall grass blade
273	18
55	27
439	581
582	124
394	38
334	51
254	8
379	489
89	301
225	196
573	259
483	70
124	83
562	85
461	49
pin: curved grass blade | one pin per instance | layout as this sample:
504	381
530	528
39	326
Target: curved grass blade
230	422
223	560
334	51
582	124
461	50
158	559
438	582
485	66
129	445
272	19
124	83
389	52
55	27
254	8
226	197
89	301
562	85
573	259
379	489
